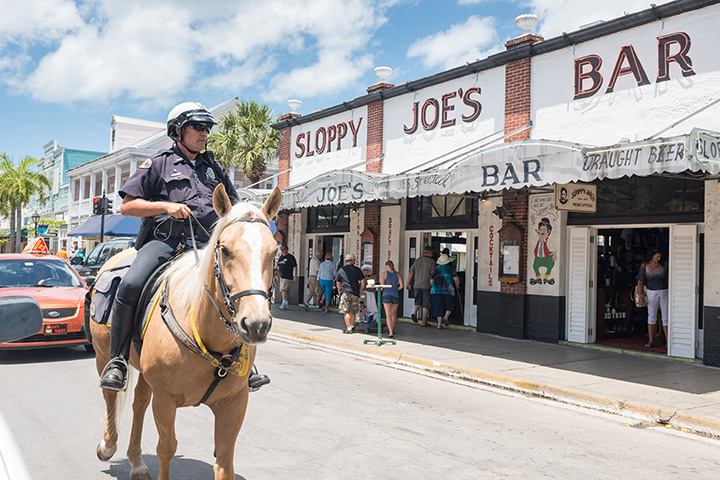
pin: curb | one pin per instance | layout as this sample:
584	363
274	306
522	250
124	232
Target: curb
641	412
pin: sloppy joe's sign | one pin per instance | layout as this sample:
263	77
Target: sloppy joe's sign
429	123
332	143
671	49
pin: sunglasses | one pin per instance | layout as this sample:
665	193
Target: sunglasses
201	127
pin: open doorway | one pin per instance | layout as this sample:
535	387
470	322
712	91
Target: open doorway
620	255
455	245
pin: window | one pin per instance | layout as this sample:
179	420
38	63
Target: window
329	219
646	199
442	211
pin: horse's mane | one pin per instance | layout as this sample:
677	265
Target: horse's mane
185	277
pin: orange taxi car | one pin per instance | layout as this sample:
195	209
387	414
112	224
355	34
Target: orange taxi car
59	291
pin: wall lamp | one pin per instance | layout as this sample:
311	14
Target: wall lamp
502	211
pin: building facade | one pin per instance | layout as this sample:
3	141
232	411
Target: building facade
55	164
548	170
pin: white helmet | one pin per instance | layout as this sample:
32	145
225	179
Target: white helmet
185	113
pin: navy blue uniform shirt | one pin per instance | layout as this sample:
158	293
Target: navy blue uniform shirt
170	177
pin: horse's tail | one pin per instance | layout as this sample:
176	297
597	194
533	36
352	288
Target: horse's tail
106	449
122	396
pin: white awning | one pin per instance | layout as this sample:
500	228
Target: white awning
334	188
525	163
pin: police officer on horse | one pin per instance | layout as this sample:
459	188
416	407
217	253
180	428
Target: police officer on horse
166	191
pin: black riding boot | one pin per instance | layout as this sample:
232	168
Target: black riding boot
257	380
114	375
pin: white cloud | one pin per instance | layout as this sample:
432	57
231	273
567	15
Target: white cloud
470	2
461	43
152	51
38	21
557	16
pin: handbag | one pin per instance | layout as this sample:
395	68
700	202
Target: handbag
636	296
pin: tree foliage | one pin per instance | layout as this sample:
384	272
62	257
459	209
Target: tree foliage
17	186
244	139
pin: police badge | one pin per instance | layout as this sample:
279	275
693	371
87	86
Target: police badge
210	174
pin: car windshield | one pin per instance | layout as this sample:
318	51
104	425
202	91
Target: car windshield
37	272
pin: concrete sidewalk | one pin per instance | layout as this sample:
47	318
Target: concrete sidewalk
647	387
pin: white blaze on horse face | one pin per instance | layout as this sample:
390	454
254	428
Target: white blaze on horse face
253	238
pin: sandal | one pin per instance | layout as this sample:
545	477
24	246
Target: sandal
649	345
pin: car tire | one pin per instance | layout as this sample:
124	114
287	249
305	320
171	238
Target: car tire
89	348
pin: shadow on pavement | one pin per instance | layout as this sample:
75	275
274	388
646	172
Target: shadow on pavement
181	468
44	355
451	345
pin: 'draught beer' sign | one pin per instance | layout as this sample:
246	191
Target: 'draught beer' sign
576	197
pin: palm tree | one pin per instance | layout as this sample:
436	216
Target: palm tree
245	140
17	185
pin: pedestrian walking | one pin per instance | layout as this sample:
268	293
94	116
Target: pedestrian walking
287	271
326	279
419	281
350	282
443	290
314	289
391	295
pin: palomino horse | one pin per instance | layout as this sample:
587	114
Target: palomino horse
242	249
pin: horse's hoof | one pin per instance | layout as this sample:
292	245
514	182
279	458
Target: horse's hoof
104	453
141	473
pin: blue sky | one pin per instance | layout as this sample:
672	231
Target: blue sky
67	66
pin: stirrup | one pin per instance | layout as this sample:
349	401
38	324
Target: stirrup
119	363
257	380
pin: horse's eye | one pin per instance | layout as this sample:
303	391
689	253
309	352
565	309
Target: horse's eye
225	252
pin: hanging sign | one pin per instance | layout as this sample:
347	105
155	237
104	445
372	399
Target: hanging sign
575	197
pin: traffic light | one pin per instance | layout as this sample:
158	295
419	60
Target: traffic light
108	205
97	206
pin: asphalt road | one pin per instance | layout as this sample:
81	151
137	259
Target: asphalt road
330	415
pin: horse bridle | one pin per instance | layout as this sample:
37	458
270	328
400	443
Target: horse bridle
229	297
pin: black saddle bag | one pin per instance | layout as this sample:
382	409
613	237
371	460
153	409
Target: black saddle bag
105	291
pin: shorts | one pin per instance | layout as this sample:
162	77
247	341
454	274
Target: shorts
349	303
285	284
443	302
314	287
422	297
390	299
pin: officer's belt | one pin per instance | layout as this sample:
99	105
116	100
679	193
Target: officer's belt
176	228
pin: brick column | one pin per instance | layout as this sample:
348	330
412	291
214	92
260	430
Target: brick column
284	178
517	115
375	130
284	152
374	150
372	222
282	226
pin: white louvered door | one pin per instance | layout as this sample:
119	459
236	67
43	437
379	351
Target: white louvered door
581	285
682	303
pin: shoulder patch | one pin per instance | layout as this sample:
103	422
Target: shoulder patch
146	164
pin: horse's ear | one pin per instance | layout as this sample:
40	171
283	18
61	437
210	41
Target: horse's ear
272	204
221	201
